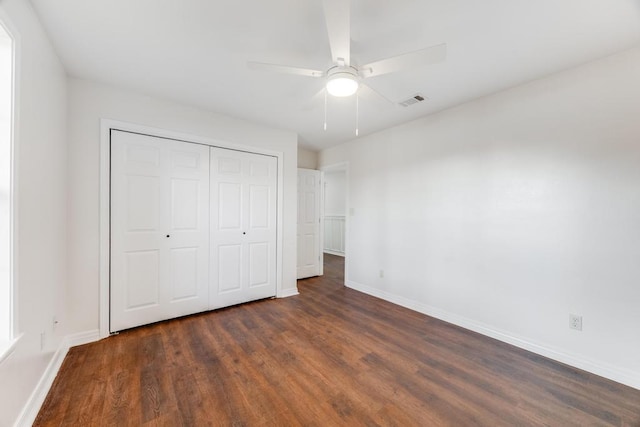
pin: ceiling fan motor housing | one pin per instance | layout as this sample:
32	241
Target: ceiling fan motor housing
342	80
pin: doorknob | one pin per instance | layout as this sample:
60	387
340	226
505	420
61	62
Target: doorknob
168	235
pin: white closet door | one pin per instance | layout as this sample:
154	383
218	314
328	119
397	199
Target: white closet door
308	261
243	227
159	229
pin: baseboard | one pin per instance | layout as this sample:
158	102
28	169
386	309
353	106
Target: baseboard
623	376
330	252
39	394
288	293
82	338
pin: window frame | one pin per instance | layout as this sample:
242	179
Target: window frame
9	338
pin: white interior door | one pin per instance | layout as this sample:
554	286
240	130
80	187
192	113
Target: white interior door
159	229
243	227
308	261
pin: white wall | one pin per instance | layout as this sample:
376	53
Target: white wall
508	213
335	195
307	159
42	200
88	103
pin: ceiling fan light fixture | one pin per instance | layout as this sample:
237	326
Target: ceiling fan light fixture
342	84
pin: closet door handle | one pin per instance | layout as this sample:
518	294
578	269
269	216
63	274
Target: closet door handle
168	235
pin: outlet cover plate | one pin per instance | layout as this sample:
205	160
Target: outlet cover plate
575	322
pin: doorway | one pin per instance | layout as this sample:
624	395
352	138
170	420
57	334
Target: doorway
335	218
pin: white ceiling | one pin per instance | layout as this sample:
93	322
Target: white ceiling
195	52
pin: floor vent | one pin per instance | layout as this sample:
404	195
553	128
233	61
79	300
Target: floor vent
413	100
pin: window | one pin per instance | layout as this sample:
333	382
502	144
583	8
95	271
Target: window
6	205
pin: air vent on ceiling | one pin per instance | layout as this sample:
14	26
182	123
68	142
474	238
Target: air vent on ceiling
413	100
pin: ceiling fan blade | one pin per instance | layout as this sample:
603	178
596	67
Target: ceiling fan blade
285	69
337	17
315	101
430	55
368	93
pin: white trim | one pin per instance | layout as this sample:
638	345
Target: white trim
330	252
105	126
6	348
280	293
36	399
623	376
289	293
105	189
82	338
12	31
321	231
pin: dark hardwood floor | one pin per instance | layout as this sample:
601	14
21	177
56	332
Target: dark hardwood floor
328	357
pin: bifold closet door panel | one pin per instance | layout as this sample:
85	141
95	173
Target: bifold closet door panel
243	227
159	229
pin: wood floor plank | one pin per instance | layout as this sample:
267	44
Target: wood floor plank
66	413
330	356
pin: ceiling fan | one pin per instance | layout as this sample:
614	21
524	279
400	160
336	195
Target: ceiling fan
344	78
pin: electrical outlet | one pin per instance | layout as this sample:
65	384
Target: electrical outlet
575	322
382	274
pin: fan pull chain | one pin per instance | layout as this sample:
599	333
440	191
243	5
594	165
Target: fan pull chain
325	109
357	112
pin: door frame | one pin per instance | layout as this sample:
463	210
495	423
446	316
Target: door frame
106	125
